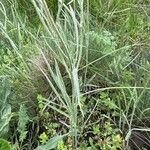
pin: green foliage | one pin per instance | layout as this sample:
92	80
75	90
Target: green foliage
105	138
47	121
5	120
96	129
61	145
112	140
50	144
103	42
4	145
43	138
82	69
22	122
106	102
5	107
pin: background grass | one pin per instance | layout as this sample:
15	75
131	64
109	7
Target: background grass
75	74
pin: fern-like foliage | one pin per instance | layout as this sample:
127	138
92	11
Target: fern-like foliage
109	60
103	42
22	123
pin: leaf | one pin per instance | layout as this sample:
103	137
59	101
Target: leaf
43	138
4	145
51	144
4	91
96	129
5	116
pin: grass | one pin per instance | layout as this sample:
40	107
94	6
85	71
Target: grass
70	60
77	72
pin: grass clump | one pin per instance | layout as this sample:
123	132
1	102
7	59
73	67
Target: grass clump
78	74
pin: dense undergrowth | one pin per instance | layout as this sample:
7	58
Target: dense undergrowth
74	74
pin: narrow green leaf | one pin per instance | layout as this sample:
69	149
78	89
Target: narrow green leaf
51	144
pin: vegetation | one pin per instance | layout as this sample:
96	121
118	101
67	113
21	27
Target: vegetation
74	75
